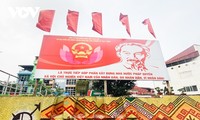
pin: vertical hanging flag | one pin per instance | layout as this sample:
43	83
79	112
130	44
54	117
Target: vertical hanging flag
97	22
72	20
45	20
125	22
150	28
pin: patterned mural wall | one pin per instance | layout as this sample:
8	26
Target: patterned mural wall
82	108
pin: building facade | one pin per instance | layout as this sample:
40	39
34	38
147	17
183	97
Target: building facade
184	71
24	77
69	85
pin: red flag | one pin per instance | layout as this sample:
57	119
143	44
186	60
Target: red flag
125	22
147	22
97	22
72	20
45	20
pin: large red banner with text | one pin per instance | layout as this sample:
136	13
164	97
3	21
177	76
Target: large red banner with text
69	57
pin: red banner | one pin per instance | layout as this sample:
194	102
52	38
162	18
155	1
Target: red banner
100	58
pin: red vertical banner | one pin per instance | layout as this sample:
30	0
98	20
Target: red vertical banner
150	28
72	20
97	22
45	20
125	22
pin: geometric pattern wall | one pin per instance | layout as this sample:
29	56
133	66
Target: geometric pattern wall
98	108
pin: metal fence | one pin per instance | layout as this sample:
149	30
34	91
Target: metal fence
8	83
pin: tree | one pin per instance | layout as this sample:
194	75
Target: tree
115	87
35	87
166	91
159	90
82	87
57	91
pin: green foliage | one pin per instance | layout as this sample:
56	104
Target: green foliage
32	82
98	85
159	90
82	87
115	87
58	91
167	92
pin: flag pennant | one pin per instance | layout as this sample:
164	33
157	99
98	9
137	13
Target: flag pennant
72	20
150	28
97	22
45	20
125	22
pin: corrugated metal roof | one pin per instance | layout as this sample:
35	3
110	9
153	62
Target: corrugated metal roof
189	53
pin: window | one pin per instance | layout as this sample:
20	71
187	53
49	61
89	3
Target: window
190	88
24	78
194	88
71	82
70	90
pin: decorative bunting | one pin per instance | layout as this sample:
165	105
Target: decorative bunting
46	17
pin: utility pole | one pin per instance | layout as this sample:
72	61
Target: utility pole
35	87
105	88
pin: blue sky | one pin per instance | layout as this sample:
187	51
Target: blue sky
175	23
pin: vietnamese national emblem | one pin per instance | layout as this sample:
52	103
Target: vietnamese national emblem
81	53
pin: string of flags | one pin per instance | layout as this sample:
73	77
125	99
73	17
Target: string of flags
46	17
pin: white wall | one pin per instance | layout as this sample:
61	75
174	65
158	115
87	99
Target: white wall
187	74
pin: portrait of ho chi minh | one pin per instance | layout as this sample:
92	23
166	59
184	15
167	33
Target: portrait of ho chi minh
133	56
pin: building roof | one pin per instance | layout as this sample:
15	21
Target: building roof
142	90
27	67
187	54
25	72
